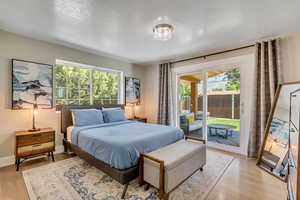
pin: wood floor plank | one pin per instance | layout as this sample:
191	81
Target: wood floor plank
243	180
12	183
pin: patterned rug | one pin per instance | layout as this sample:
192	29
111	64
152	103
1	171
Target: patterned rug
74	179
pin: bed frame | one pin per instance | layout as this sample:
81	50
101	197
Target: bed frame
122	176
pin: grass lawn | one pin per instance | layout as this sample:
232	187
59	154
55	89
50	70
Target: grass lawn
232	122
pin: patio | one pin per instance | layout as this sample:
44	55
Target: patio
233	140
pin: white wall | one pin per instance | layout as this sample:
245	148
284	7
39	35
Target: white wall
290	57
14	46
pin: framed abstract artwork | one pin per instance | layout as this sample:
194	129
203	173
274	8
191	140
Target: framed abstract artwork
132	90
32	83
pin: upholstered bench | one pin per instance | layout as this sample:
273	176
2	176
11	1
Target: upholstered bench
170	166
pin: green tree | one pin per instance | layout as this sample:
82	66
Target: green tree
217	89
233	79
105	87
73	85
185	89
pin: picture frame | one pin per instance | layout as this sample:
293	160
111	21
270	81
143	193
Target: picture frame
32	83
132	91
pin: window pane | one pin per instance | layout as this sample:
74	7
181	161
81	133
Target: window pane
85	102
84	94
73	77
78	77
223	104
84	78
114	101
106	101
61	102
73	94
60	93
73	102
96	102
106	87
61	76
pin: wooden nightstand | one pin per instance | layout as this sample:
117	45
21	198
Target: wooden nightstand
31	144
140	119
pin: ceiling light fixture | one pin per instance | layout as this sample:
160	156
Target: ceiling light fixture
163	32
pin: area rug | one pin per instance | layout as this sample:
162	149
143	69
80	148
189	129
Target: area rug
74	179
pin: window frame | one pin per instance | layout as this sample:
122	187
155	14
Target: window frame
91	68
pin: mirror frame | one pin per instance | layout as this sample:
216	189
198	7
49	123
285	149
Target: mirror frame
268	125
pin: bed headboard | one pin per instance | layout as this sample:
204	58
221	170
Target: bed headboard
66	115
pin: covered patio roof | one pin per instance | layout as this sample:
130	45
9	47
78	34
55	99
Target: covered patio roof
199	77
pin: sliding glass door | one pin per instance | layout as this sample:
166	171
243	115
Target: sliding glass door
216	93
223	105
213	101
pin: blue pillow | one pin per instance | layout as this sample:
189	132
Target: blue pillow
85	117
113	115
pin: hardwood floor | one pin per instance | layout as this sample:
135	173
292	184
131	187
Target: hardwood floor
241	181
244	180
12	186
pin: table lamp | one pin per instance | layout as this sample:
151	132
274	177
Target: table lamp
35	112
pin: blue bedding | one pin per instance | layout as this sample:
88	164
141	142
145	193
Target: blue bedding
119	143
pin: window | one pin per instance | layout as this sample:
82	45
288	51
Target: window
78	84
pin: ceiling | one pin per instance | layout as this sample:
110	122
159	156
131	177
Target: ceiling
123	29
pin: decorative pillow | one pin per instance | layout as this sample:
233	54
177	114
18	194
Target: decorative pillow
113	115
85	117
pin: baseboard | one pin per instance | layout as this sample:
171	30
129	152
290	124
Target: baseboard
10	160
5	161
59	149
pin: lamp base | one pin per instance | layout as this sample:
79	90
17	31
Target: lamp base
33	130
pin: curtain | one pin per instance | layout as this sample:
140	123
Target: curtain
165	96
267	78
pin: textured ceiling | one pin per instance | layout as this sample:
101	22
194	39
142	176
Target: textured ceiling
123	28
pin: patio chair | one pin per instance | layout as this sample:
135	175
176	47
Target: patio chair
187	126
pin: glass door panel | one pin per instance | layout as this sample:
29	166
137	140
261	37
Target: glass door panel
191	115
223	107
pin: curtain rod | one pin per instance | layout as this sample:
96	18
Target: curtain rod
212	54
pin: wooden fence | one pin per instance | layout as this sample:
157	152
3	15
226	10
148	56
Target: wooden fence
219	105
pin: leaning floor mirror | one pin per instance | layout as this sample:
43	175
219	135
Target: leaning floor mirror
282	128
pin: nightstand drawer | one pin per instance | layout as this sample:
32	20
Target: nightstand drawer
27	140
35	149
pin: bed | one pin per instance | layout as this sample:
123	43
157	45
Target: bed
114	147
